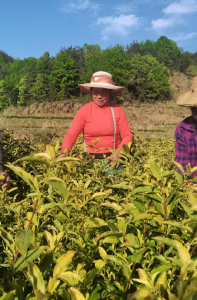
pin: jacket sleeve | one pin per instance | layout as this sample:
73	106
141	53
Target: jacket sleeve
125	132
74	131
181	149
1	156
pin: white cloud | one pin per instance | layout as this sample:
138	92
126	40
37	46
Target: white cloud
118	25
124	8
181	7
165	23
183	37
79	5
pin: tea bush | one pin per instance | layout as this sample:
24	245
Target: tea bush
71	230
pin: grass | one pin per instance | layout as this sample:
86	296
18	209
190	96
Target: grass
152	130
170	124
36	117
38	127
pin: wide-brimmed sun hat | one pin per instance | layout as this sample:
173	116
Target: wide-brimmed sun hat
101	79
189	98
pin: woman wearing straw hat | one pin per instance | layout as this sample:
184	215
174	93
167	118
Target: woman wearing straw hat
186	132
99	120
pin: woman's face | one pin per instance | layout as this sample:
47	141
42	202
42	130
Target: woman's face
100	96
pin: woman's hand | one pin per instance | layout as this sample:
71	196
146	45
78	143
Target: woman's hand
61	156
5	181
115	155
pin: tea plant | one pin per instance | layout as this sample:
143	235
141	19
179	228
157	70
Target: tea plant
71	230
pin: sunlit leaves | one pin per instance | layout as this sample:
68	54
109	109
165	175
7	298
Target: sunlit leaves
62	263
23	240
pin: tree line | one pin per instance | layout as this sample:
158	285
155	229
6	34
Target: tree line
143	68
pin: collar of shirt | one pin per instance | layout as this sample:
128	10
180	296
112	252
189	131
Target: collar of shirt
189	124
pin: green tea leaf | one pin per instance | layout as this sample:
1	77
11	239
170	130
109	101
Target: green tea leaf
7	237
183	253
23	240
179	177
161	269
67	275
75	294
40	158
36	277
49	239
142	216
142	189
8	296
68	159
162	280
166	241
59	186
143	275
138	255
102	253
113	205
99	194
52	285
132	239
95	222
27	177
179	167
110	240
31	255
115	259
62	263
99	264
156	170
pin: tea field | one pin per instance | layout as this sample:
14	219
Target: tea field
70	229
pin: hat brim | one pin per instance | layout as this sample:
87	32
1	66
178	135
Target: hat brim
86	87
188	99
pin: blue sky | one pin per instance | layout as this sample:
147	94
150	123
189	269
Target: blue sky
32	27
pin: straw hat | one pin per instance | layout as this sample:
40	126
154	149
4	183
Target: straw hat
101	80
189	98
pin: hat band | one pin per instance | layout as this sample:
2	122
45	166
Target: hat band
102	78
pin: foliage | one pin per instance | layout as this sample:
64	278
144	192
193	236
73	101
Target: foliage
64	76
112	60
191	71
149	78
78	232
167	52
47	78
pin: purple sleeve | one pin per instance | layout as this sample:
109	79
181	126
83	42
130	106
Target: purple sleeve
181	148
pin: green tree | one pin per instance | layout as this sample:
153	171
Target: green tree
148	47
133	49
191	71
77	54
64	77
167	52
194	58
41	86
112	60
24	88
6	58
39	90
150	79
92	54
8	91
185	61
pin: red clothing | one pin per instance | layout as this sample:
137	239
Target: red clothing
97	123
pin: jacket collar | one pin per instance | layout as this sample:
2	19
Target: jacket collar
189	124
